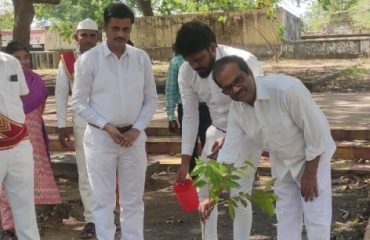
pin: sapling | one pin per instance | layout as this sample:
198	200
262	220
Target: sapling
221	177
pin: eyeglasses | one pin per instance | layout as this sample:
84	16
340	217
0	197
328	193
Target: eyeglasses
238	82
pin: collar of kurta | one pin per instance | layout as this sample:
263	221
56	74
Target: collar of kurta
261	89
108	52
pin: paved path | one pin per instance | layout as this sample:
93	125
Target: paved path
343	110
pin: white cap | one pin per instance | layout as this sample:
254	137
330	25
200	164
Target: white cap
87	24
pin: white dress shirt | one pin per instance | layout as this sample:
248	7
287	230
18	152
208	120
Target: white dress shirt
195	89
62	86
285	121
119	91
13	85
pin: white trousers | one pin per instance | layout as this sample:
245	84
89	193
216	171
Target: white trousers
83	178
292	211
243	215
107	162
16	174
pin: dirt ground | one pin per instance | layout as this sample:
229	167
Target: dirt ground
164	220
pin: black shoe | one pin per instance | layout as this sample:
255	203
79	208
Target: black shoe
88	232
8	235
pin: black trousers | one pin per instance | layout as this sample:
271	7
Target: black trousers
204	122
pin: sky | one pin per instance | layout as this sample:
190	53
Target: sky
292	7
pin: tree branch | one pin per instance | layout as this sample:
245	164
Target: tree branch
47	1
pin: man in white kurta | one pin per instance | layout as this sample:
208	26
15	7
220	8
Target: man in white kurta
196	85
86	37
114	91
276	113
16	158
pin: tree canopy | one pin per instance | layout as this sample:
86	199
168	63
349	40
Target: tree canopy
354	12
63	15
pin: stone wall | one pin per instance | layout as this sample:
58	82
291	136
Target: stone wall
350	47
248	30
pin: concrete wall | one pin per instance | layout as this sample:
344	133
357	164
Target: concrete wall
328	48
241	29
53	41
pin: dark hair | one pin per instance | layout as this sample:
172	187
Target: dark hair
220	64
118	10
194	37
14	46
129	42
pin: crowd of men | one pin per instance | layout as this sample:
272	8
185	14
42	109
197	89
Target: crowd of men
222	97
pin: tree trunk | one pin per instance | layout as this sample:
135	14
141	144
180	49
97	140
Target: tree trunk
145	7
23	17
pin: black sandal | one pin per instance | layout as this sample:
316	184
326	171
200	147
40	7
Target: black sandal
8	235
88	232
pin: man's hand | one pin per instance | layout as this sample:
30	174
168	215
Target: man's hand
126	139
183	170
65	140
173	127
205	208
115	134
216	148
309	190
130	137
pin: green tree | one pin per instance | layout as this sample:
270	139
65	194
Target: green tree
357	12
360	13
6	20
23	16
65	16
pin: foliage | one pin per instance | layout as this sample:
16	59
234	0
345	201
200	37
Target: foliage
65	16
323	13
354	72
7	21
220	177
360	12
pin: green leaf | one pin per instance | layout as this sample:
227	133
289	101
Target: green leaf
265	201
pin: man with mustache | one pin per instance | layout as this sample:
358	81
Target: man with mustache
196	42
114	91
276	113
86	36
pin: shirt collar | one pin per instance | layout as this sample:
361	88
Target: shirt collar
262	92
107	51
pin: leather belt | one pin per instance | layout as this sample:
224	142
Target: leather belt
124	129
219	129
120	129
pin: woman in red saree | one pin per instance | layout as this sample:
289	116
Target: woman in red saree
46	191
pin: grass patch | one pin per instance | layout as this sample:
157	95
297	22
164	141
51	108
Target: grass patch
355	71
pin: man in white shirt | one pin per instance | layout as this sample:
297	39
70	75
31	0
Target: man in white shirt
276	113
16	159
114	91
86	37
196	42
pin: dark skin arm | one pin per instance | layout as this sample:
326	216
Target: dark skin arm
65	139
174	127
309	189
